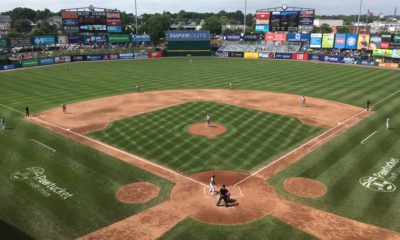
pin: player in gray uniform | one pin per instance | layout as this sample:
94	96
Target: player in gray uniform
388	121
3	123
208	120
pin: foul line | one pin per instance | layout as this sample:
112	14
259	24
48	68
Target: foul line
15	110
362	142
44	145
123	152
296	149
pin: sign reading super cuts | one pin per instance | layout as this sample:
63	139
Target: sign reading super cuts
188	36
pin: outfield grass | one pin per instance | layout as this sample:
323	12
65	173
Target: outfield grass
266	228
95	177
91	176
253	137
42	88
340	164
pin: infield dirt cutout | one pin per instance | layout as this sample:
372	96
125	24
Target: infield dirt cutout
254	198
202	129
137	192
305	187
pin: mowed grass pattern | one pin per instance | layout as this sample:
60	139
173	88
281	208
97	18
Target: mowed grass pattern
42	88
253	137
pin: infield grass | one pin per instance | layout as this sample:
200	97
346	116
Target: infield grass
95	177
253	137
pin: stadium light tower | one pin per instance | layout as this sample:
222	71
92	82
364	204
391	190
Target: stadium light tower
136	18
245	13
359	14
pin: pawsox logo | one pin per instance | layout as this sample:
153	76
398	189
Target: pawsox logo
382	181
35	178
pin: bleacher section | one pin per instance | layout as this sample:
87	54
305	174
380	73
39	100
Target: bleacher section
283	47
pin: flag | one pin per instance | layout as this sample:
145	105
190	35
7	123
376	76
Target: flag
370	14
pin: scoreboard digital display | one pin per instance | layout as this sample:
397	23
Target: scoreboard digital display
285	21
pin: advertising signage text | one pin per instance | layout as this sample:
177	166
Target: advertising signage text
188	36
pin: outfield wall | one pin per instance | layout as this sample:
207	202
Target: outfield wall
247	55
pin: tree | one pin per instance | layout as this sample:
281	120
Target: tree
157	25
343	29
22	13
22	26
213	24
44	29
324	28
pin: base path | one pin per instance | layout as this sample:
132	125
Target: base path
96	114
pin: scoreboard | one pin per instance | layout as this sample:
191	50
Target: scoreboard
284	21
94	21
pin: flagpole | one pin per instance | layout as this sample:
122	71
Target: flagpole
136	18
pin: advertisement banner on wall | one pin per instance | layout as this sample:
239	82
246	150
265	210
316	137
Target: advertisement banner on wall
375	42
113	56
283	56
232	37
30	63
351	41
75	39
126	56
71	29
297	37
10	66
141	38
333	59
275	37
93	57
119	38
70	22
114	29
155	54
316	40
69	14
251	37
263	15
300	56
188	36
62	59
3	42
94	39
77	58
363	41
396	53
236	54
113	22
221	54
382	53
44	40
266	55
349	60
141	55
113	15
20	41
340	41
251	55
46	61
328	39
262	28
262	21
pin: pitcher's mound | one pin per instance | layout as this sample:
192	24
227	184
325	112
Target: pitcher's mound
138	192
304	187
201	129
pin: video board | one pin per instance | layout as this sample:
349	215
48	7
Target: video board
75	21
284	21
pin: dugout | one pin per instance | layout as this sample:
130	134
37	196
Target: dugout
188	43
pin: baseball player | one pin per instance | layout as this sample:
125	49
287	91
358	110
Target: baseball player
27	111
64	108
303	101
208	120
138	87
190	60
213	183
368	105
231	85
66	66
3	123
388	121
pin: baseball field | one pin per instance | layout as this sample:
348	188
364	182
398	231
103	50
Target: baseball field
122	164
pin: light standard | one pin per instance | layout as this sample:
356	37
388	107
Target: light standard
136	18
359	13
245	13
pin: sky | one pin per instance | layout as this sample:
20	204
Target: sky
323	7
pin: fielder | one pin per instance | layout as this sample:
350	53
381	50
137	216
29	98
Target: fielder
208	120
303	101
138	87
388	121
3	123
231	85
64	108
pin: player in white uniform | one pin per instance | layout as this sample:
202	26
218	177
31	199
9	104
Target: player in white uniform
213	183
231	85
388	121
303	101
208	120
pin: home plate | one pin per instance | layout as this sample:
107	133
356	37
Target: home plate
235	191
